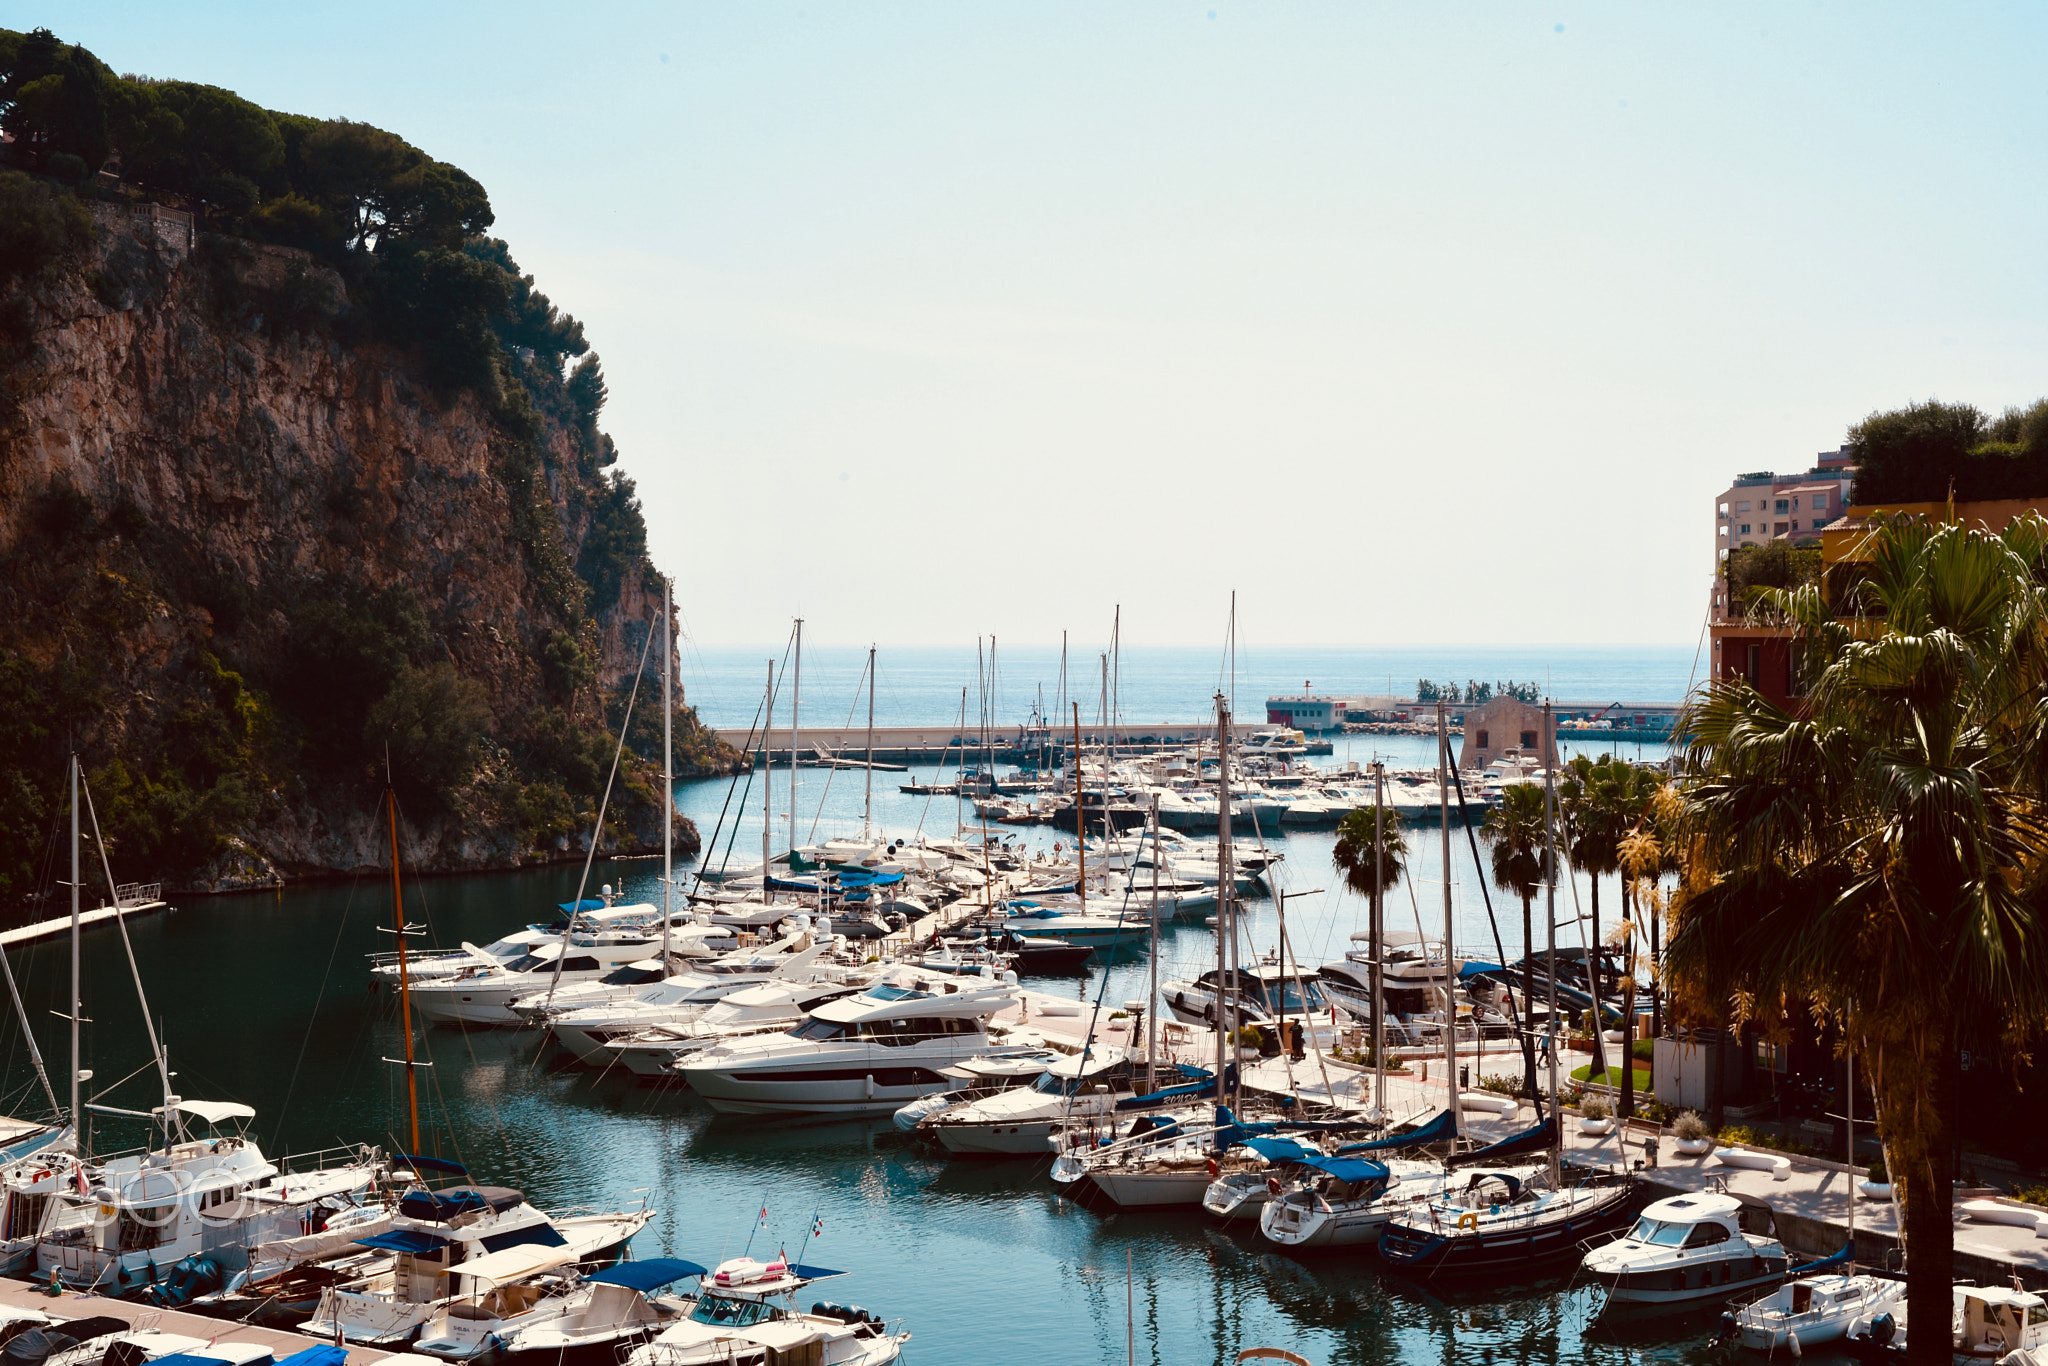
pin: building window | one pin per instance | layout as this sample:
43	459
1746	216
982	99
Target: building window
1724	509
1795	660
1778	529
1484	740
1753	667
1528	739
1742	507
1820	502
1795	524
1781	507
1795	505
1745	528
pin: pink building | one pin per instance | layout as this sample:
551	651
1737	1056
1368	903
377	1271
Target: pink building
1764	506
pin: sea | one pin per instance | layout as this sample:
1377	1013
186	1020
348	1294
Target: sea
265	999
923	684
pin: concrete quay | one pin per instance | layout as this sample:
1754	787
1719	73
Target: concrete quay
199	1331
1811	1202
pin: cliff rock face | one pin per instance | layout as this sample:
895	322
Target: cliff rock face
220	495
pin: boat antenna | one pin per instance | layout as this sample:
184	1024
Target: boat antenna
597	831
163	1066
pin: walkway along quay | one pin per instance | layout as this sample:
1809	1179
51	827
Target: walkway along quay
937	743
1809	1196
175	1333
130	898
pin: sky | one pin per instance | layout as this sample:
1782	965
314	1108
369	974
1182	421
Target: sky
1407	323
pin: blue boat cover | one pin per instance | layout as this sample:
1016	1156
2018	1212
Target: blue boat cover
578	907
1528	1141
1442	1129
405	1240
326	1354
1202	1084
1825	1264
813	1273
546	1235
190	1358
1279	1149
647	1274
864	878
1347	1168
440	1206
1477	969
420	1162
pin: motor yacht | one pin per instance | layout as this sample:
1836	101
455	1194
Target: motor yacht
860	1055
1812	1310
480	995
458	1242
737	1319
1686	1248
771	1007
585	1321
585	1030
977	1079
1259	993
1018	1123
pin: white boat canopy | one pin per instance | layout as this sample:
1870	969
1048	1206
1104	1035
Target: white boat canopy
211	1111
514	1263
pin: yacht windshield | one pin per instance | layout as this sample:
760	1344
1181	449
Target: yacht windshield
817	1031
885	992
1660	1233
717	1309
527	962
630	976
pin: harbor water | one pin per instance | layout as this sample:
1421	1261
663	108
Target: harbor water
263	999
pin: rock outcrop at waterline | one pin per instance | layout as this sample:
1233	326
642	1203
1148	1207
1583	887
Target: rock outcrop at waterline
248	548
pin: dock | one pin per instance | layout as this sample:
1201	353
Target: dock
183	1332
130	898
1809	1196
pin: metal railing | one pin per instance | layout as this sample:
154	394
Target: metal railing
131	894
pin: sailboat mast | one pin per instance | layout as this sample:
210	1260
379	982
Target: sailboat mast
1443	795
1152	1001
77	1005
412	1085
1550	914
1849	1177
668	772
767	776
1379	930
1080	816
1226	884
796	699
867	809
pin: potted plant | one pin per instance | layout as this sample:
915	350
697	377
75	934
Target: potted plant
1877	1184
1695	1139
1593	1116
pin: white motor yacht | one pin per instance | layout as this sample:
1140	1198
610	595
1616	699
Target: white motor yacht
1701	1246
772	1007
859	1055
591	1318
1019	1122
482	995
1813	1310
1260	993
587	1031
977	1079
737	1319
453	1244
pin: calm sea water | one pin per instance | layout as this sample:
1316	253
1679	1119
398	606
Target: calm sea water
262	999
920	685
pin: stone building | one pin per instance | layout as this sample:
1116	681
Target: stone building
1506	723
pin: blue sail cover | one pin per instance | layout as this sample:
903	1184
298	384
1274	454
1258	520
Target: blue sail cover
404	1240
326	1354
578	907
1277	1149
647	1274
1200	1084
1347	1168
1825	1264
1528	1141
420	1162
546	1235
1442	1129
864	878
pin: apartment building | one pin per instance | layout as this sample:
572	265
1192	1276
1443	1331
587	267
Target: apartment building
1765	506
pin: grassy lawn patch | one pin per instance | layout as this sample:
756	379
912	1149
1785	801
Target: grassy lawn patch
1612	1078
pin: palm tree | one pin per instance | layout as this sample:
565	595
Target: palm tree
1515	836
1593	798
1372	854
1877	857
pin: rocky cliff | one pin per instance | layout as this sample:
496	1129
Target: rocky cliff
250	548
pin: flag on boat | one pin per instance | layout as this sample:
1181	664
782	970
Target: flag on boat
764	1214
817	1228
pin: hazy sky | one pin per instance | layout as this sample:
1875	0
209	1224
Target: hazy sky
1410	323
